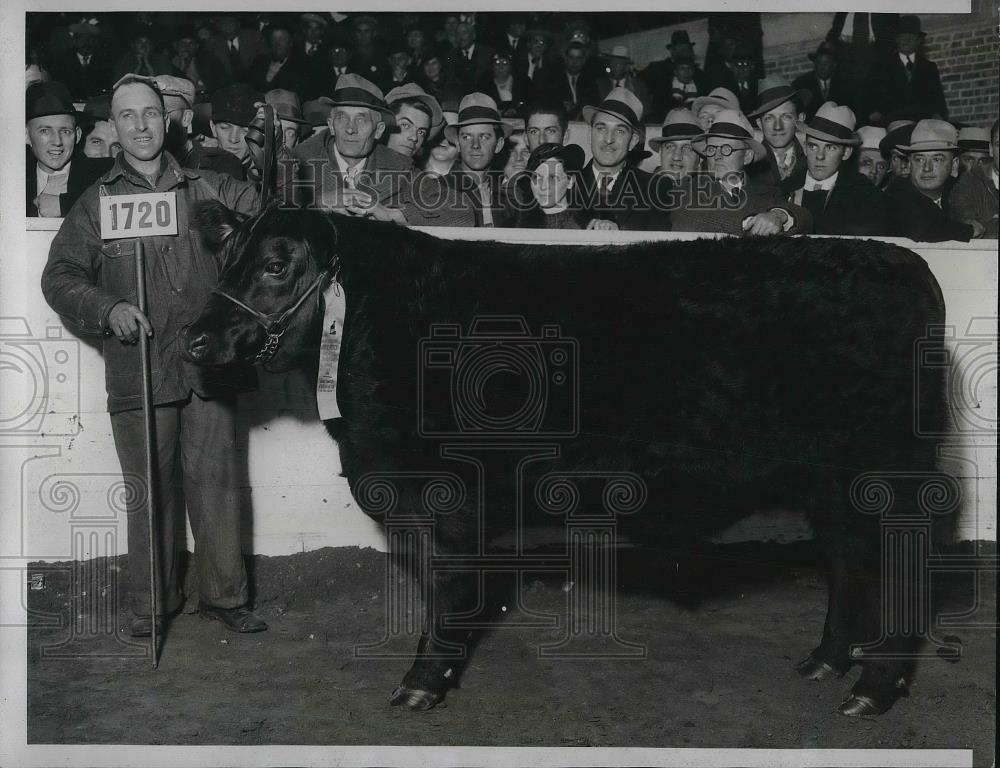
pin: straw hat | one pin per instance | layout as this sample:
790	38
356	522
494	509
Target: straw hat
474	109
680	123
834	124
621	103
930	135
733	124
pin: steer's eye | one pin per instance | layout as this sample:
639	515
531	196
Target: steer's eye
276	268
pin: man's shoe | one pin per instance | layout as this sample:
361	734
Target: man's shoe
240	619
142	626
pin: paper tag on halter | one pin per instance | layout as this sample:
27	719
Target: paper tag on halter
329	351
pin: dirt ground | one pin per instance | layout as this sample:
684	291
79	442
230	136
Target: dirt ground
721	636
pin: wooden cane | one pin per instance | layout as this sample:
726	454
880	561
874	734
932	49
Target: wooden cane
148	416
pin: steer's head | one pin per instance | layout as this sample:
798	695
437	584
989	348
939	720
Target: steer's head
267	307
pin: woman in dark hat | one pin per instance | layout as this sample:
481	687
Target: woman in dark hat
541	197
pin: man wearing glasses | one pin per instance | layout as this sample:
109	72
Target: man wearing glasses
723	199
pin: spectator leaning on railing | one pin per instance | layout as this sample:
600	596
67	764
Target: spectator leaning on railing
974	198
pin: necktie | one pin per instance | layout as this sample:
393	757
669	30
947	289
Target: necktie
572	86
605	187
824	88
486	196
468	54
909	67
814	200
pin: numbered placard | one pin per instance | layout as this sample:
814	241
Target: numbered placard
154	213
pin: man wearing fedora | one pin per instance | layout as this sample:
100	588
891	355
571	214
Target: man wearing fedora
612	194
618	62
905	85
469	62
825	82
178	102
724	198
871	163
679	156
479	134
920	209
91	284
233	109
974	198
288	112
334	170
974	149
416	117
897	135
658	75
569	82
705	108
280	68
57	173
779	110
86	69
840	199
234	48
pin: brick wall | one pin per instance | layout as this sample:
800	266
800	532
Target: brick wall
964	46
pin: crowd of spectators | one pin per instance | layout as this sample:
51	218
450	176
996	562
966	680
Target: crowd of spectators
473	111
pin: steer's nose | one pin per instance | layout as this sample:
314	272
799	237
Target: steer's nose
197	346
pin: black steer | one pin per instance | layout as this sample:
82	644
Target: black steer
723	376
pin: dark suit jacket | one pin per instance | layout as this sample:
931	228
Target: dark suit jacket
852	207
251	45
704	206
555	86
974	198
522	91
637	201
83	172
897	97
840	91
765	172
916	216
466	188
83	82
292	76
466	74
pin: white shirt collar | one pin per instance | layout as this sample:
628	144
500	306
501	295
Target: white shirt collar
679	86
346	169
555	209
996	178
42	176
734	186
907	57
612	177
826	185
235	42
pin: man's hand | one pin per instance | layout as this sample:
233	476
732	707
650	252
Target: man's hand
126	322
357	207
978	229
48	206
603	224
768	223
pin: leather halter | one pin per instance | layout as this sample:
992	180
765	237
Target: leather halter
276	323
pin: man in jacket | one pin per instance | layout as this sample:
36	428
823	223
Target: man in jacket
780	108
91	284
57	174
974	198
840	199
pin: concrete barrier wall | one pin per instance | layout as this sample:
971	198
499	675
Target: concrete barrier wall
62	494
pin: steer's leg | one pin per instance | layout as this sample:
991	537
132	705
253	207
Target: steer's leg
443	650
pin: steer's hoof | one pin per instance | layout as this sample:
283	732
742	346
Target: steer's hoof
857	705
813	669
413	698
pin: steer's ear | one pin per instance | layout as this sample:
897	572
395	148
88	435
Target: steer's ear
214	222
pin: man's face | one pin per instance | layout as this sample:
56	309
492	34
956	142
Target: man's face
537	46
543	129
550	183
778	125
232	138
364	34
706	115
432	68
415	39
142	46
99	140
229	26
516	28
678	158
414	126
575	61
824	66
290	132
929	171
444	151
400	60
501	68
824	158
84	44
465	35
684	71
974	158
355	130
743	69
314	32
723	166
619	68
139	121
899	164
52	139
477	144
281	44
907	43
517	159
610	140
340	56
186	47
450	24
872	166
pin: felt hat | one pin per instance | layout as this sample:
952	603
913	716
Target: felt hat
931	135
909	25
236	104
733	124
896	136
834	124
476	108
680	123
974	139
621	52
355	91
178	88
413	92
722	97
98	107
364	18
679	37
316	113
48	98
286	105
570	155
85	29
315	18
871	136
775	90
621	103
